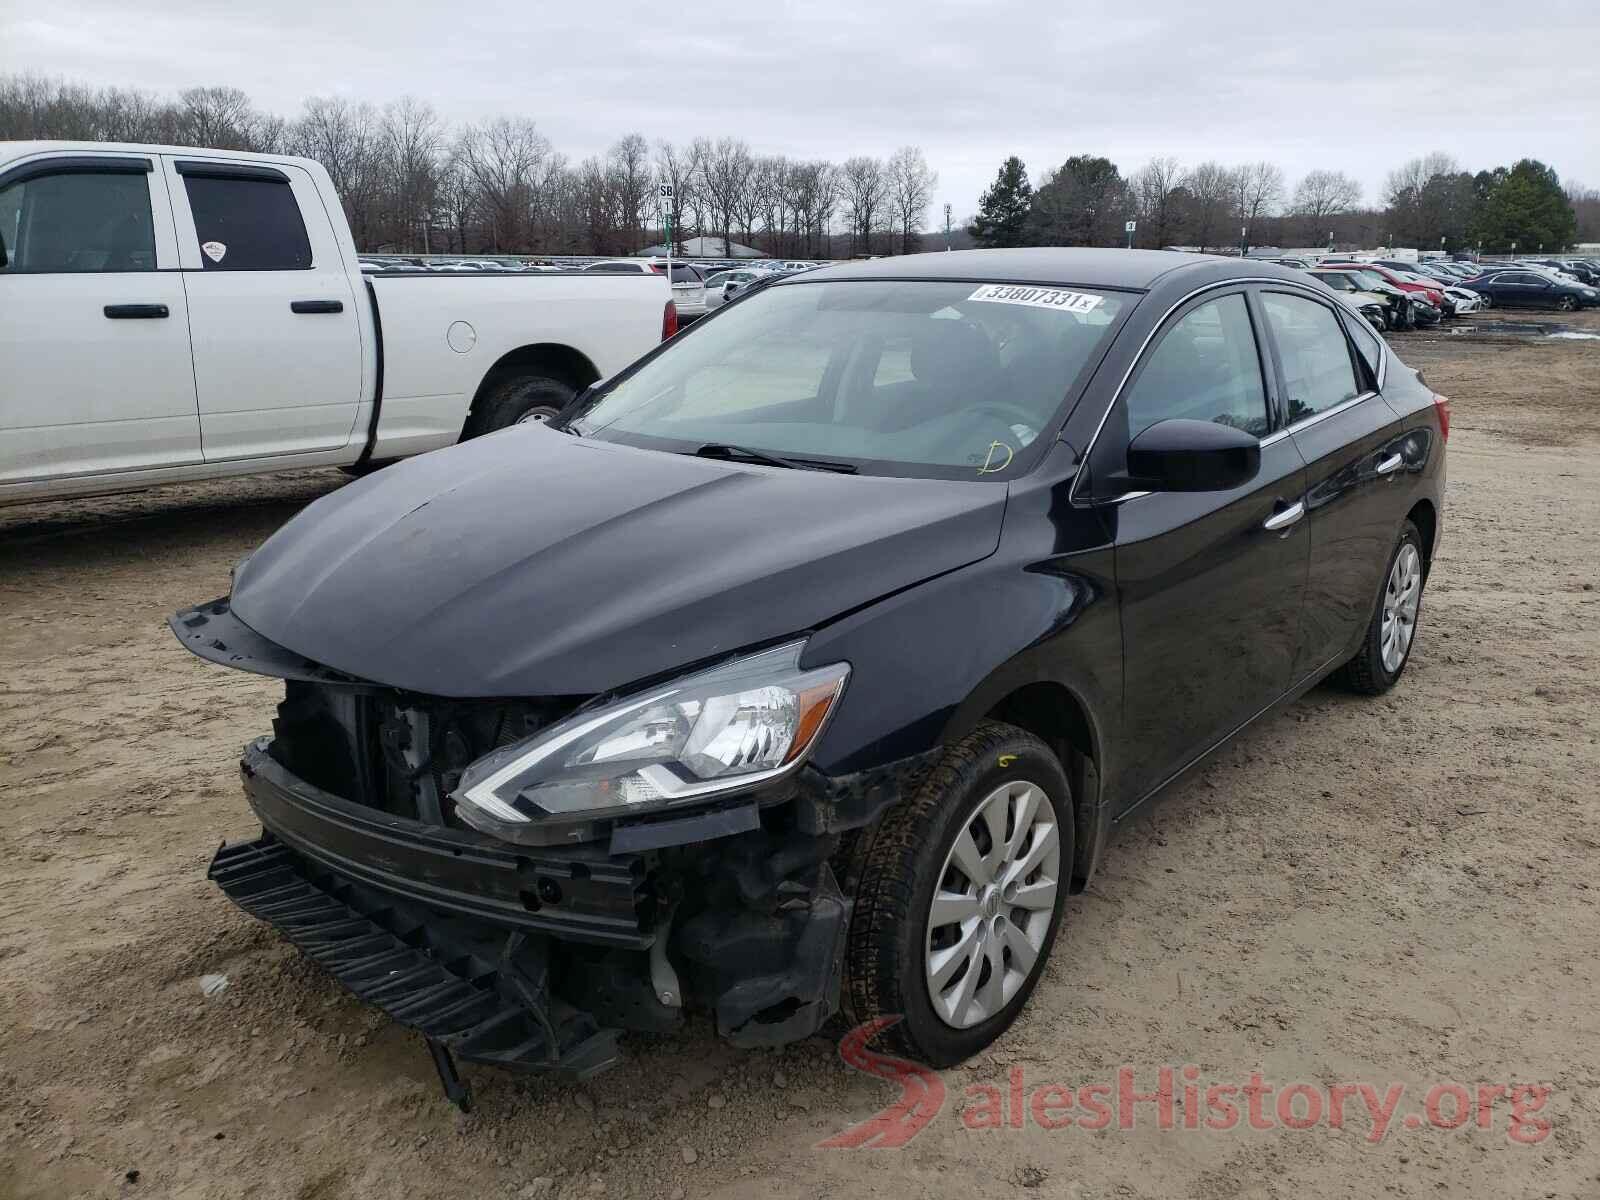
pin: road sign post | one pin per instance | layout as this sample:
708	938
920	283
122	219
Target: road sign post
665	192
1128	229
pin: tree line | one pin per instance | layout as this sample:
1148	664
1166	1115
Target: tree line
412	182
1428	203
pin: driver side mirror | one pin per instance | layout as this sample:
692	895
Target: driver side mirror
1192	456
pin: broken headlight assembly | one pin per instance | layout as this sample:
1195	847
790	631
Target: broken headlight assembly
728	728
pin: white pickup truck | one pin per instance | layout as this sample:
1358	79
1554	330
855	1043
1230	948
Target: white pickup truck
170	314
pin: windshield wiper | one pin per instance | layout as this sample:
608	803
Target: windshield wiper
725	450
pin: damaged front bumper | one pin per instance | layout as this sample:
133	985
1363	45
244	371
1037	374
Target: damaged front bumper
537	957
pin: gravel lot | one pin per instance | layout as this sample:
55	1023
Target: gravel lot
1391	891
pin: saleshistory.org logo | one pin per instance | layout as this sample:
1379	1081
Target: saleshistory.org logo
1177	1098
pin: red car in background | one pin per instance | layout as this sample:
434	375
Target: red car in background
1434	295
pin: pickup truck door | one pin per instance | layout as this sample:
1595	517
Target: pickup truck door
95	374
272	313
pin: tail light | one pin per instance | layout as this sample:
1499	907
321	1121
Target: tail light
669	320
1441	405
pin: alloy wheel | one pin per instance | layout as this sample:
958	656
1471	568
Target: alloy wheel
993	904
1401	597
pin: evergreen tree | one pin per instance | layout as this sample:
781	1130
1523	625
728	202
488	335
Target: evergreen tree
1002	218
1082	204
1528	207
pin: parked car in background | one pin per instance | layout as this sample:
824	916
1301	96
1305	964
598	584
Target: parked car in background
1526	288
688	290
1403	278
623	266
1373	306
1403	304
695	744
174	314
723	286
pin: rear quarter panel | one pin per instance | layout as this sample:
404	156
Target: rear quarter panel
428	386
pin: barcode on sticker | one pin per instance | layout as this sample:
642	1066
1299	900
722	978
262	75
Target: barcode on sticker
1037	297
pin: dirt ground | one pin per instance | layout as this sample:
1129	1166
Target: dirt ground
1400	890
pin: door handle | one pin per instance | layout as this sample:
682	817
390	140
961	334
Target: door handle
136	312
316	306
1388	466
1285	517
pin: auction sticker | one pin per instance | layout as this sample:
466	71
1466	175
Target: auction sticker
214	250
1037	297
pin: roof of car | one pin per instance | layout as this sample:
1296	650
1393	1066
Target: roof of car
1113	268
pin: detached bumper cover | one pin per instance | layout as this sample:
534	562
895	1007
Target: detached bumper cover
408	967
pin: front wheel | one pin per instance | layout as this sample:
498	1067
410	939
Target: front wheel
961	896
1386	649
1567	303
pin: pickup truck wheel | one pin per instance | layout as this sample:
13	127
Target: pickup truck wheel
1386	649
961	897
516	398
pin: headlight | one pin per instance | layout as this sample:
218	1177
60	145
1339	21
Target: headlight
739	724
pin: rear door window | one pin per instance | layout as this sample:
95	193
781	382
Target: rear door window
247	224
1317	371
78	221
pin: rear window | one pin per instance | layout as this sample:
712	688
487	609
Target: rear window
247	224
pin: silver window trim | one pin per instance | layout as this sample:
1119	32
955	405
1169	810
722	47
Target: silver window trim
1272	438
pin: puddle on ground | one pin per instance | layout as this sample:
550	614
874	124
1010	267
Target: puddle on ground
1527	329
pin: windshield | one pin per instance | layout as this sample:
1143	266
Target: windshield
942	379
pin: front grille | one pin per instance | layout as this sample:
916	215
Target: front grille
396	751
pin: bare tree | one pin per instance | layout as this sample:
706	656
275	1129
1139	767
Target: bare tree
503	158
1211	190
345	138
219	118
629	165
1156	202
864	188
412	138
1321	195
677	166
725	170
911	187
1258	190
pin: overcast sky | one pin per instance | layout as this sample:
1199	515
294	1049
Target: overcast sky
1355	86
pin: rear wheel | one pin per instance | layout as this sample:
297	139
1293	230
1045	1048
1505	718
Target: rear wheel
516	398
1386	649
961	896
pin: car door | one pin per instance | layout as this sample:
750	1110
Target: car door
1518	289
1350	440
1210	584
95	373
277	344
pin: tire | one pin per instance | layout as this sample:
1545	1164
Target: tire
1371	672
912	853
1567	304
517	397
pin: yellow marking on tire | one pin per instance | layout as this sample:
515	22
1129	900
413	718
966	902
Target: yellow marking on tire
1007	759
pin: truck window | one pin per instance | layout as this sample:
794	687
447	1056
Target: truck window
76	222
247	224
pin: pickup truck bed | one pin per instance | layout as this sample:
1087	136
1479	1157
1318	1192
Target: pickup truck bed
175	314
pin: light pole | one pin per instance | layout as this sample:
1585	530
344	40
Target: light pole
947	227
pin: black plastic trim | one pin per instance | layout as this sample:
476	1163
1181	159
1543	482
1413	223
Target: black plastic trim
221	170
83	164
452	871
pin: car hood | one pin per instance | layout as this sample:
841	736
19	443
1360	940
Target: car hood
531	563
